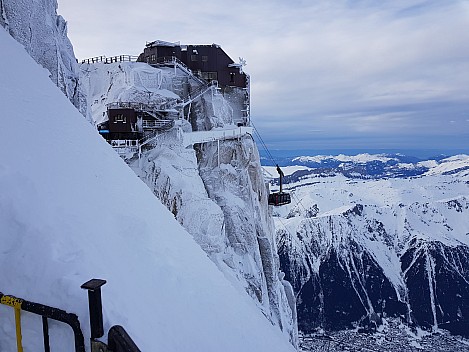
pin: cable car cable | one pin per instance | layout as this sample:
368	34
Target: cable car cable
277	198
263	144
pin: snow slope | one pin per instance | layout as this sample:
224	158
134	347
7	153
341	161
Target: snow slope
70	210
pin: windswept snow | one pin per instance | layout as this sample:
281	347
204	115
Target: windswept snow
71	210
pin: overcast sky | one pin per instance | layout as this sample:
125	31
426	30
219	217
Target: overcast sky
324	74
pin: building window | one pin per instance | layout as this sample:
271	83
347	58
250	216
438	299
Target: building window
193	57
210	76
232	77
120	118
204	58
153	58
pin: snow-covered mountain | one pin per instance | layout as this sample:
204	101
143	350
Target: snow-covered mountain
364	166
358	249
71	209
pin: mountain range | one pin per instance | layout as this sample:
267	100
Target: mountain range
372	237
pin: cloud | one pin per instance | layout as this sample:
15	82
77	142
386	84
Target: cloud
384	67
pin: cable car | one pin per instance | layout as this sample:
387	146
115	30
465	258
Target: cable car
279	198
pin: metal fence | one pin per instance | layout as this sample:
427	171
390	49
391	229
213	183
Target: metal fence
118	339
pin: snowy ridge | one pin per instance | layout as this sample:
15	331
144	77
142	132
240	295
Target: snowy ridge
56	189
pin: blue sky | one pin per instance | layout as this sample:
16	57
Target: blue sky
325	74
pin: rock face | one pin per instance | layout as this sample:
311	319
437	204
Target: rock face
224	207
354	265
232	176
43	33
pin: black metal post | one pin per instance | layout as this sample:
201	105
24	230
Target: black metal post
45	332
95	306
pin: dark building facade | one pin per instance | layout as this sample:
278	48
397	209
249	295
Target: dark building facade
208	62
130	123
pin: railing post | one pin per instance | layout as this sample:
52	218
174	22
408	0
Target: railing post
19	343
95	306
45	334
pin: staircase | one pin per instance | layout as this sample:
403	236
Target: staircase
178	85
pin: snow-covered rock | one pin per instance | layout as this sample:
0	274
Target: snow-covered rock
71	209
43	33
219	197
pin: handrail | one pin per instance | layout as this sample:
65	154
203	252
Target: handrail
165	105
158	124
199	92
120	341
173	60
47	313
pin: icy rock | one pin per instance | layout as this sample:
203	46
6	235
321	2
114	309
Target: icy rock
223	206
43	33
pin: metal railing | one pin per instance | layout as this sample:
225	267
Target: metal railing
19	304
174	61
155	106
199	91
118	339
158	124
170	60
110	60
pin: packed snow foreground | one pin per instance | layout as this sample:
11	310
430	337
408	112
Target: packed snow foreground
71	210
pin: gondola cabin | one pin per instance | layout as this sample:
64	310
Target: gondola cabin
279	198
